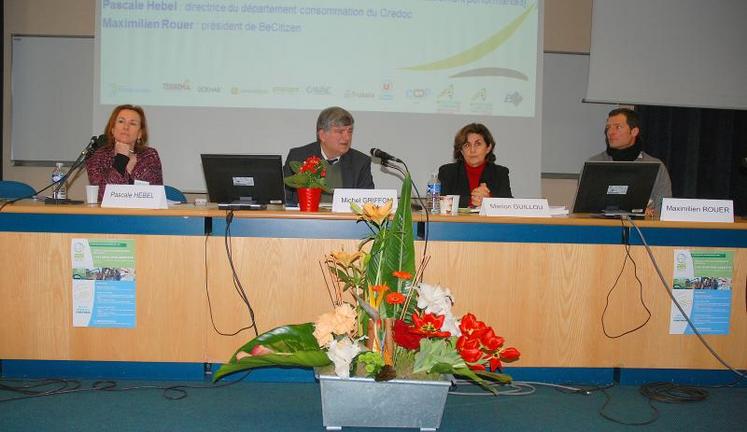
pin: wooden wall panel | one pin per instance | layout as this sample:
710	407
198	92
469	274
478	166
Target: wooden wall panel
37	311
546	299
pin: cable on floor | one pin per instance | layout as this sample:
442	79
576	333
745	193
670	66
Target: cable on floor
30	389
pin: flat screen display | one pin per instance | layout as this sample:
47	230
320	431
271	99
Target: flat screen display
244	178
615	187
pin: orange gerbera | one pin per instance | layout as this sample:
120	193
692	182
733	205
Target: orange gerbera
402	275
395	298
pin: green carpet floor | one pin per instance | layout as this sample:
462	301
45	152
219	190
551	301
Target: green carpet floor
252	406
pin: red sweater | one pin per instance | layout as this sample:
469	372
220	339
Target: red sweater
474	174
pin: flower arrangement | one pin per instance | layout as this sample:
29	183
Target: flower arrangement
385	322
311	173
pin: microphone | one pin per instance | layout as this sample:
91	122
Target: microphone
101	141
95	143
384	156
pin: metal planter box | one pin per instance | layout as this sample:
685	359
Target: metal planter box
364	402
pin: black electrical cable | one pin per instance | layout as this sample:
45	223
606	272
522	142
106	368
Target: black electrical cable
612	289
63	387
673	393
207	294
603	412
234	275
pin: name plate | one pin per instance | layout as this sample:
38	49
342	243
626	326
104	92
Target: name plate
515	207
134	196
342	198
696	210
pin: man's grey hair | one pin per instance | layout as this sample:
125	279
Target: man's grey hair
333	116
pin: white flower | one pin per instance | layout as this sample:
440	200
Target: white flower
342	353
438	300
434	299
451	325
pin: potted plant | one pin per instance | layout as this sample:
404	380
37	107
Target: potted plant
387	330
309	178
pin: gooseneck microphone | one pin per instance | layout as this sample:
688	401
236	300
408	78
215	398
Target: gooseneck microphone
384	156
96	143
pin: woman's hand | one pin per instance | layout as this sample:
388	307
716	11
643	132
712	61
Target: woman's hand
479	193
131	164
124	149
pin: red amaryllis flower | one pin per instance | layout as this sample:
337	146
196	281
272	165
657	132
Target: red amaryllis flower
488	339
469	325
480	347
469	349
402	275
429	325
404	337
506	355
510	354
395	298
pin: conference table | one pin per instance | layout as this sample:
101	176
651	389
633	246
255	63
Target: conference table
545	284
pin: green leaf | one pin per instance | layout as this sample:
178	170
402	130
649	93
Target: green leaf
395	249
434	352
292	345
295	166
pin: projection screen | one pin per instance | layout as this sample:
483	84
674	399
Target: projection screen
687	53
251	77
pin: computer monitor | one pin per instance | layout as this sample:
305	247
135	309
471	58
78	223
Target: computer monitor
236	180
608	187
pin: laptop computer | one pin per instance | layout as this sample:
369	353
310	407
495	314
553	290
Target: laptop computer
244	182
615	189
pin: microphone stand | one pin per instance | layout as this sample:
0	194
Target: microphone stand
92	145
76	166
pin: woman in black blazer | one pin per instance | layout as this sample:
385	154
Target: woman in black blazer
474	175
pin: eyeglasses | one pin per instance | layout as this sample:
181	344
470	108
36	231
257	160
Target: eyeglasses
475	145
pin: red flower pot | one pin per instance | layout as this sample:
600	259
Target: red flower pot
308	199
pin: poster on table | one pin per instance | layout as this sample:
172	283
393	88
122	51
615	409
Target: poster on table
103	283
702	286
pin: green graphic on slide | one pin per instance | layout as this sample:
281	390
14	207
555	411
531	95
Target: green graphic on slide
478	51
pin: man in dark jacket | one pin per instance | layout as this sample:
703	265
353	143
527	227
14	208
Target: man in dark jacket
349	168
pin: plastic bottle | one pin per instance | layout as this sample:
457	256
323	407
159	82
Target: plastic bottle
59	191
433	194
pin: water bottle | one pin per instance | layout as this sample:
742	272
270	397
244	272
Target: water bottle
58	190
433	194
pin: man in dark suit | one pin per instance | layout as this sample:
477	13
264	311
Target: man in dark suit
349	168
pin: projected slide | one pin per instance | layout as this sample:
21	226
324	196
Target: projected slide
419	56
